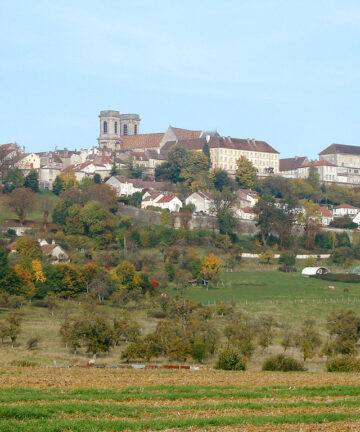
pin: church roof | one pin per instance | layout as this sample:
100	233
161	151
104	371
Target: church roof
142	141
341	148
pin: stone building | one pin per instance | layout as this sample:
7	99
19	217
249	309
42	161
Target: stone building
342	155
114	125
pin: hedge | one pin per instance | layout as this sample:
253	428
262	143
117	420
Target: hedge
339	277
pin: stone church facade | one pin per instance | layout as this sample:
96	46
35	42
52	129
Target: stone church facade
114	125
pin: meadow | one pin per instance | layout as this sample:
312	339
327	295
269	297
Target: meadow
48	399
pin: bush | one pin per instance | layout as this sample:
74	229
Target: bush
339	277
199	351
282	363
32	342
230	359
287	269
344	363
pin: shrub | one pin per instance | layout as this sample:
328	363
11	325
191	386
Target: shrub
282	363
344	363
199	351
32	342
230	359
287	269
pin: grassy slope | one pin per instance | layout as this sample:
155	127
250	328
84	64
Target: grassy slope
35	215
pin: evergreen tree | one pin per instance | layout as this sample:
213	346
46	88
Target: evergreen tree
114	171
58	185
314	177
32	181
97	178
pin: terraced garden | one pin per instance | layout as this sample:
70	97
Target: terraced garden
39	399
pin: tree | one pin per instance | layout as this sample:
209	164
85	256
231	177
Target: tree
32	181
14	179
245	173
97	178
241	334
102	193
266	257
29	248
21	200
46	206
127	277
223	207
177	159
267	213
60	212
58	185
313	177
13	323
221	180
210	267
165	218
73	222
308	340
333	240
134	170
114	170
197	165
98	222
206	151
344	330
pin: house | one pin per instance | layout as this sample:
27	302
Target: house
202	202
342	155
247	197
327	171
162	200
28	162
288	167
246	213
326	216
124	186
90	168
345	210
54	251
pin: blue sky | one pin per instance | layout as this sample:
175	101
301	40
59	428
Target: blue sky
285	71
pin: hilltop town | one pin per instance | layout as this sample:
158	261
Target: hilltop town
131	162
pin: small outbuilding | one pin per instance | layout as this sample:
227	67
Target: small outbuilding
311	271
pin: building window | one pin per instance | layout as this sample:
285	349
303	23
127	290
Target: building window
125	130
115	128
135	130
105	127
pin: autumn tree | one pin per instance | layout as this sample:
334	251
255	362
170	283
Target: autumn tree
210	267
197	166
21	201
344	331
245	174
127	277
308	340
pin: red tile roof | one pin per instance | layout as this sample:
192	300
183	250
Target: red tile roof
325	212
142	141
185	134
317	163
166	198
347	206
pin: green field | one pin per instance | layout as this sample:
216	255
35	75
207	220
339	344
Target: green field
291	297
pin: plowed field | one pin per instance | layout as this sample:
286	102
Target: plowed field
47	399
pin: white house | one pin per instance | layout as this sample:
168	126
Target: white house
327	171
326	216
126	186
202	202
54	251
247	197
28	162
356	219
246	213
345	210
90	168
162	200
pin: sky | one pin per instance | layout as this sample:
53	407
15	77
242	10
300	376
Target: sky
283	71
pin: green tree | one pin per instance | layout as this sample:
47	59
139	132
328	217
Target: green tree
97	178
127	276
32	181
223	207
221	180
344	330
98	221
114	170
58	185
73	222
177	159
165	218
197	166
308	340
14	179
313	177
29	248
60	212
246	174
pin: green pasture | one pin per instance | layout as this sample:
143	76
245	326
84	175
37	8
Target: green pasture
289	296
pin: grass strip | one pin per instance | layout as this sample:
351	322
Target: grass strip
121	425
173	393
51	411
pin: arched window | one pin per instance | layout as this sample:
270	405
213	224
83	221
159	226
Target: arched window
115	128
105	127
135	130
125	130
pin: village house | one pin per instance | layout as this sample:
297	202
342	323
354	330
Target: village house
124	186
28	162
325	216
202	201
162	200
247	197
345	210
55	252
246	213
327	171
288	167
